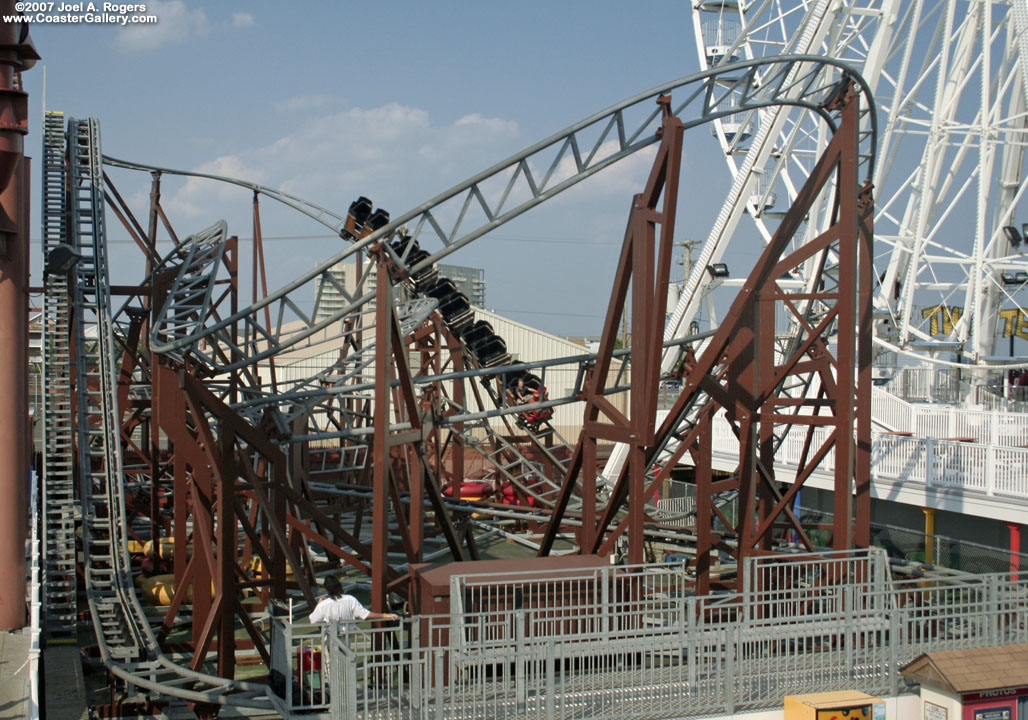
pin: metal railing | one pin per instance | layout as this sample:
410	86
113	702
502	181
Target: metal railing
993	426
673	654
951	385
968	466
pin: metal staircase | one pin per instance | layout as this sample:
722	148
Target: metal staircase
59	580
121	628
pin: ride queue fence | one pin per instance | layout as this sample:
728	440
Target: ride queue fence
802	624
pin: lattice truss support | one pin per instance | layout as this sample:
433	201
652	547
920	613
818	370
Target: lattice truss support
745	375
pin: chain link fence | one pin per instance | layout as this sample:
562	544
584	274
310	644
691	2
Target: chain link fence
899	542
915	546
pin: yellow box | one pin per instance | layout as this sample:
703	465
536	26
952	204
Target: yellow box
839	705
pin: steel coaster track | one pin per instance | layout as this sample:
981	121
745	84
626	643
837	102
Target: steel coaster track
512	187
116	619
803	81
128	647
58	484
198	259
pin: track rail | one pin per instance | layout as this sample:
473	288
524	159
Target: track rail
127	645
60	587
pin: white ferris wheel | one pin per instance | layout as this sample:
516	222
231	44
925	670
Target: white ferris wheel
949	80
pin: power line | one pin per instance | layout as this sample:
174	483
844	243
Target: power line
329	236
540	312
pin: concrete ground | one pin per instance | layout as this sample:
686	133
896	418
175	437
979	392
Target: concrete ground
65	684
14	675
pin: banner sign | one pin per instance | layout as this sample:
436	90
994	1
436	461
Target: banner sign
944	317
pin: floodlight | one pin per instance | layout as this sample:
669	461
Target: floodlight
61	260
1013	236
718	270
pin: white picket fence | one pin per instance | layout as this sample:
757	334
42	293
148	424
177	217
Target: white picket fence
992	427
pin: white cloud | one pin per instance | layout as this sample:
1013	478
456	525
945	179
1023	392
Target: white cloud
396	155
305	103
176	22
201	198
393	153
476	120
243	20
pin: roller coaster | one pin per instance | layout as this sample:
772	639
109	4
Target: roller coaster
187	443
172	432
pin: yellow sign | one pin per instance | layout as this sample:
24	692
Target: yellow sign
944	317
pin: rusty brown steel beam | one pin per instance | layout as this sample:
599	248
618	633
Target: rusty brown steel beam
740	373
646	276
385	318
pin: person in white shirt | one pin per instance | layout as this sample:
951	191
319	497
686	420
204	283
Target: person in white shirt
339	607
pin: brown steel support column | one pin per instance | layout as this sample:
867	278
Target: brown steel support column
226	560
704	508
645	269
765	370
201	490
258	261
862	498
846	341
587	532
380	444
14	412
1015	551
16	54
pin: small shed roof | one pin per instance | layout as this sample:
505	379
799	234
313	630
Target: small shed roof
972	670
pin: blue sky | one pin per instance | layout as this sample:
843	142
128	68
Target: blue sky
394	100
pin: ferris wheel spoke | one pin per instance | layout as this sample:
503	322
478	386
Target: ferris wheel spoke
950	91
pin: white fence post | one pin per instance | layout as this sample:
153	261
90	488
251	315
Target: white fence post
605	601
990	469
894	644
848	601
732	682
440	682
550	671
520	691
929	461
416	679
992	604
693	648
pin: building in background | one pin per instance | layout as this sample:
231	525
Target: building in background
469	280
330	298
328	289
